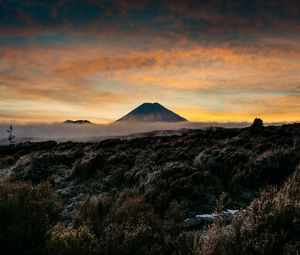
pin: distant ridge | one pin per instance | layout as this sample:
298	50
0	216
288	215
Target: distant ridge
152	112
77	122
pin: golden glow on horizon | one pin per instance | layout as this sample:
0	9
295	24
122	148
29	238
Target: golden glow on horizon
102	83
196	116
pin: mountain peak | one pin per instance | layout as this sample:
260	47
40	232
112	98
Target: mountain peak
77	122
152	112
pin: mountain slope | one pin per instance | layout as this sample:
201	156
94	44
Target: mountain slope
152	112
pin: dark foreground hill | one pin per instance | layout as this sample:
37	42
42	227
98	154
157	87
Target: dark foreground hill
133	196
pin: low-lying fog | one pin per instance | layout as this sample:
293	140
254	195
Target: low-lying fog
94	132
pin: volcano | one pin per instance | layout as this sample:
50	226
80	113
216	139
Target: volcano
151	112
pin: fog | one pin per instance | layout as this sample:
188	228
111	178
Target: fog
93	132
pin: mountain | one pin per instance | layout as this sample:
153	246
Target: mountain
152	112
77	122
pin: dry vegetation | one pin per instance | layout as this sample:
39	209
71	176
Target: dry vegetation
132	196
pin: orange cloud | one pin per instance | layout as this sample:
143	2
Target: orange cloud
97	77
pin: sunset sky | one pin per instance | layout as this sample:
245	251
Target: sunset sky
206	60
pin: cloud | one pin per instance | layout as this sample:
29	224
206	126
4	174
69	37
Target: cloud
67	132
217	20
94	77
101	58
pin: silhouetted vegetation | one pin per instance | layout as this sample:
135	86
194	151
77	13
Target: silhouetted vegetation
26	215
132	196
257	125
270	225
71	241
11	136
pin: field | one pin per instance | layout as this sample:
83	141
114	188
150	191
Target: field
147	195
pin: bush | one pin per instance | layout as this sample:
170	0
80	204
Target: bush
130	226
92	213
133	228
257	125
40	167
71	241
186	243
87	167
172	182
26	215
269	226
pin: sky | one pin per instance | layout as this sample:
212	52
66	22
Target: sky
220	61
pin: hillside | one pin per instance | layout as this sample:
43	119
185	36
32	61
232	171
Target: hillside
133	196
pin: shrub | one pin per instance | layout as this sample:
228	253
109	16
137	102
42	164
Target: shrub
268	167
92	213
186	243
174	212
269	226
257	125
39	167
87	167
71	241
172	182
134	228
26	215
